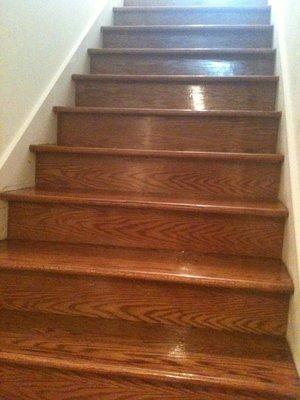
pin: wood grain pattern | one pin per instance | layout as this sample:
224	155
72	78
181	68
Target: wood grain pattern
147	227
153	301
40	382
222	62
168	130
158	172
256	274
112	351
188	36
146	264
191	16
132	200
192	3
142	340
194	93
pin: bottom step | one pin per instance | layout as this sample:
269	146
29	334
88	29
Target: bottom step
54	357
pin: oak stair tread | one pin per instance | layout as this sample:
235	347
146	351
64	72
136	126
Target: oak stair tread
260	274
257	157
126	28
173	78
183	8
181	112
237	361
134	200
207	3
227	362
183	51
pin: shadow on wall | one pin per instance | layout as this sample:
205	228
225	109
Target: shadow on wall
38	75
286	17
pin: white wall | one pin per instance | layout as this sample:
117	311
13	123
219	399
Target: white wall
37	35
286	18
42	44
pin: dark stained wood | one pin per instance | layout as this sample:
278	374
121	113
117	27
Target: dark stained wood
153	302
132	200
35	378
146	264
141	338
175	36
109	358
191	16
120	220
185	92
249	132
215	62
199	3
168	173
207	155
257	274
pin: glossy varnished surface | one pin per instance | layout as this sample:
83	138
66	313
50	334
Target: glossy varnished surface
199	155
168	129
138	360
39	379
132	200
191	16
146	264
194	93
201	3
119	220
183	62
188	36
46	277
199	175
145	300
261	274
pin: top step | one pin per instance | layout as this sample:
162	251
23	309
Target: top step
191	16
188	3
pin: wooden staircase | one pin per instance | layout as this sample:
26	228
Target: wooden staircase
146	263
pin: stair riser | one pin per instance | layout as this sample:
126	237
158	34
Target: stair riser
19	382
158	175
239	134
191	3
186	64
187	38
151	302
147	228
213	95
192	17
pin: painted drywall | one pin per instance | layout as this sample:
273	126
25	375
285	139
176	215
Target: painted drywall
286	20
42	44
36	36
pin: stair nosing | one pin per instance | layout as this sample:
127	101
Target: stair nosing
181	112
263	27
248	51
192	8
251	157
262	286
221	283
105	368
174	78
144	373
95	199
